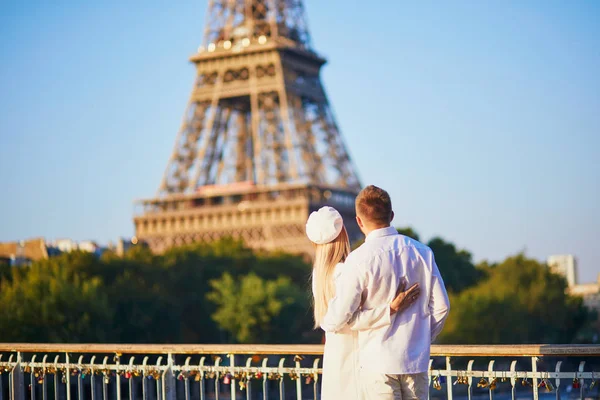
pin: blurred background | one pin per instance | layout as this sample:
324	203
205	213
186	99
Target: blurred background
482	120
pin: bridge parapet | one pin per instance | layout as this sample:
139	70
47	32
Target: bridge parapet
169	372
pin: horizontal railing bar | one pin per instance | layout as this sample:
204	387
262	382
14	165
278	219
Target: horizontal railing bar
532	350
162	349
99	368
149	368
515	374
516	350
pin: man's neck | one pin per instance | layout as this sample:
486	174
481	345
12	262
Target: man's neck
368	230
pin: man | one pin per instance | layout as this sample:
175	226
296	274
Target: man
394	359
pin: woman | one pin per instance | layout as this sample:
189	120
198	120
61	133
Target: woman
326	229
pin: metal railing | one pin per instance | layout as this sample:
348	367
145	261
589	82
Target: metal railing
169	372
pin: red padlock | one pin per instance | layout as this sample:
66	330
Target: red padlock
128	375
258	375
576	383
227	379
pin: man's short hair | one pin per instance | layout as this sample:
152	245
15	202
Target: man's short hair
374	205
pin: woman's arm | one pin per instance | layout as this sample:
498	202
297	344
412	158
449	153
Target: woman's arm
373	318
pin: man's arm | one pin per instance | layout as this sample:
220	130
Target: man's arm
439	305
349	287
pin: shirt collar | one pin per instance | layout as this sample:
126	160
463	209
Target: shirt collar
381	232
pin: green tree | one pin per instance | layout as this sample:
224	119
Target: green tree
150	298
456	266
47	302
520	301
248	305
408	231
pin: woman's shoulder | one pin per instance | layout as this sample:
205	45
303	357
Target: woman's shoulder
338	269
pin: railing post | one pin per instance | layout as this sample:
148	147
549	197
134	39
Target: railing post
186	380
44	380
281	382
92	379
17	384
470	379
557	382
316	380
232	380
10	379
117	360
248	379
131	379
581	380
217	378
201	382
536	394
449	378
169	390
105	379
68	377
32	378
513	379
298	378
79	379
265	384
159	381
490	379
1	384
144	379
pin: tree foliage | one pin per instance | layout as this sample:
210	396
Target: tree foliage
47	302
456	266
248	305
147	298
520	301
224	292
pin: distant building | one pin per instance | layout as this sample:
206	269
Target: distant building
124	244
590	293
65	245
27	251
69	245
89	246
24	252
565	265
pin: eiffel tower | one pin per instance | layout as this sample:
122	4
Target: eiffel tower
258	148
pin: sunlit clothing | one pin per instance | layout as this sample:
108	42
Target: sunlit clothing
340	358
370	278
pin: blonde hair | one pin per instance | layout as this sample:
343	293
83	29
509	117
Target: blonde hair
327	256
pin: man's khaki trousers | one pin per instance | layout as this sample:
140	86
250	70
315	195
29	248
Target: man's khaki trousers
394	387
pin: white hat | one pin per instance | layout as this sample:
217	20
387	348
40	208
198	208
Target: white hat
324	226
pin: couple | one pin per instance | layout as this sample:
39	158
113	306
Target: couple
378	336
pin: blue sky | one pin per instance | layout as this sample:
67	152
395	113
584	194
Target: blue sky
482	119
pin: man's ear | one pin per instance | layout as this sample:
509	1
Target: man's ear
392	218
359	222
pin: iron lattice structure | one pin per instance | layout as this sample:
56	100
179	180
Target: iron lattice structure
258	119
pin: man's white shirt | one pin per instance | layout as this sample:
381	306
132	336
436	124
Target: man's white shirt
370	277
